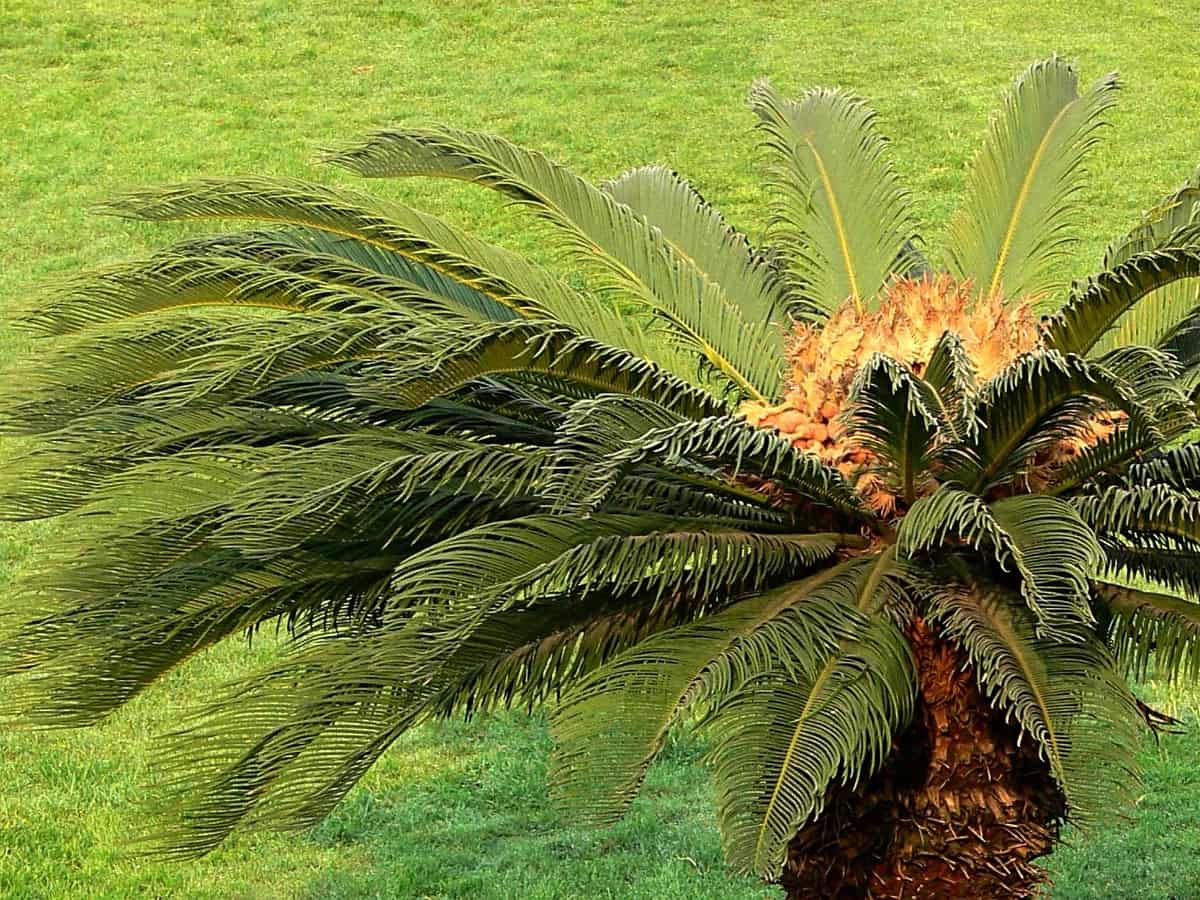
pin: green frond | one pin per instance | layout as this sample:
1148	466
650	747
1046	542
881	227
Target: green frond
1021	199
952	375
1036	401
1174	569
1176	467
1067	696
840	216
1145	626
1157	511
629	256
1056	553
1041	537
695	230
1173	222
1097	304
398	231
724	447
897	417
803	723
453	357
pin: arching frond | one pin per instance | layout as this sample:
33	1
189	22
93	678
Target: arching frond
503	277
454	357
840	216
632	257
1041	537
782	740
1036	401
1067	695
696	231
609	728
730	446
1020	203
1157	510
1145	626
1097	304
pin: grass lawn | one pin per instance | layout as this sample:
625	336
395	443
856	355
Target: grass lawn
103	95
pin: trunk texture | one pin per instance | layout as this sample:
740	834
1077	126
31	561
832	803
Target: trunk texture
957	811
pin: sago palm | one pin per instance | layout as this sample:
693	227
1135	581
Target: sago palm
891	540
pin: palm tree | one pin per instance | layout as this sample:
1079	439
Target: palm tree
893	541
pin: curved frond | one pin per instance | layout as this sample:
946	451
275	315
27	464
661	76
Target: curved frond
840	216
629	255
608	729
722	447
782	739
1098	303
1067	696
697	231
1020	205
1145	626
1039	399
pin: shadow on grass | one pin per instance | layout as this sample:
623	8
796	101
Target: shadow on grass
471	819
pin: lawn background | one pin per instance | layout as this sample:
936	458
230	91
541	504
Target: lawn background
102	96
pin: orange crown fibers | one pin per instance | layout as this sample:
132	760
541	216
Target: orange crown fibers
906	326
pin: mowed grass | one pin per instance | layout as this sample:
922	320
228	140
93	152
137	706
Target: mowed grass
102	96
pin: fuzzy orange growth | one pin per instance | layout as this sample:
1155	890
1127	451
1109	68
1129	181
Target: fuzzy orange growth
907	325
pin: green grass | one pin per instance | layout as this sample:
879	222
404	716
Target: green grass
106	95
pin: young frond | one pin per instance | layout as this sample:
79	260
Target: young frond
1021	202
839	213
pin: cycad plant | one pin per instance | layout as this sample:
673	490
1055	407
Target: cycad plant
891	540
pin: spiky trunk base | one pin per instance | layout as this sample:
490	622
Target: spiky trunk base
958	811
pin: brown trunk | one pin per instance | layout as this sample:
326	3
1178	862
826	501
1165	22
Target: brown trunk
958	810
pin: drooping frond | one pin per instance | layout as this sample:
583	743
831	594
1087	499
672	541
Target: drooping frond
783	739
728	446
397	230
609	728
1042	538
1066	695
1056	553
1016	218
445	359
1145	626
1157	511
840	216
630	256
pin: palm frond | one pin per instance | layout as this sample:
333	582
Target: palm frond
723	447
1145	626
897	418
1067	695
1020	205
840	216
1098	303
697	231
784	738
630	256
1041	537
1036	401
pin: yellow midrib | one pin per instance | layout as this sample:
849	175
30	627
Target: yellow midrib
1023	198
818	683
839	225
